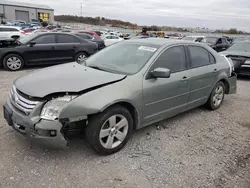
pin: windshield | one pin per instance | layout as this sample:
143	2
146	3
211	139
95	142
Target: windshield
240	46
27	38
188	38
125	58
211	40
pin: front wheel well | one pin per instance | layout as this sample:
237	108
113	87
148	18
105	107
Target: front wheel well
82	52
132	111
8	53
225	82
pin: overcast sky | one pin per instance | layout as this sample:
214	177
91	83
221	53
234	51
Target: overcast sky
187	13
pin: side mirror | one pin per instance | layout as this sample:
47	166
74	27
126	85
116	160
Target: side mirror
32	43
161	73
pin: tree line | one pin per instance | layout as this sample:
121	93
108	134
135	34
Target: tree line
96	21
125	24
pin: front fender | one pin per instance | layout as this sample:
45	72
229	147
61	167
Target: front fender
98	100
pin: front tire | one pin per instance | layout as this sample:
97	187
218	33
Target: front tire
109	131
216	97
13	62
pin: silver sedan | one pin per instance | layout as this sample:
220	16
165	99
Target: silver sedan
124	87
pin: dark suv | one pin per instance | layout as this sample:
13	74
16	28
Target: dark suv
46	48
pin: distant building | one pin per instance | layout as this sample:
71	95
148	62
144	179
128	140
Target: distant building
11	10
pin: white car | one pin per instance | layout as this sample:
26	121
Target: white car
10	32
193	38
110	39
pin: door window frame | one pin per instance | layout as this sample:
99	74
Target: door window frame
190	60
67	42
147	72
47	34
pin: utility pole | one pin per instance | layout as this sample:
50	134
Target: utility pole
81	9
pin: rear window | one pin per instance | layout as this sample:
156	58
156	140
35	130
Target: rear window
66	39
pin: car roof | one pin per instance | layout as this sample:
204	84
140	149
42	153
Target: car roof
161	41
193	36
5	26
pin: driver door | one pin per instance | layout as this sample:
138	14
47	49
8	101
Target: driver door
166	97
43	51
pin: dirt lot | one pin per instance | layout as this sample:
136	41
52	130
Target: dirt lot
199	148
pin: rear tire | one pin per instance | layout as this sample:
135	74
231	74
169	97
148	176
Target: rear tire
216	97
80	57
13	62
109	131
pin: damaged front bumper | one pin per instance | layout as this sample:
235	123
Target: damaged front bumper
232	83
43	132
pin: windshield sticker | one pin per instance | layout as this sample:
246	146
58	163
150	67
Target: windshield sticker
146	48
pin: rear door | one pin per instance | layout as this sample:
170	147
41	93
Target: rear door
203	74
165	97
43	52
66	47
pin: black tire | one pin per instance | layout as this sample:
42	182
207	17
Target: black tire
5	62
80	54
211	104
95	124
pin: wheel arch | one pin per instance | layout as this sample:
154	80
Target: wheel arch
226	83
12	52
82	51
131	108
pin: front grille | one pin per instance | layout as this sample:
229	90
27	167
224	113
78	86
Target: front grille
22	103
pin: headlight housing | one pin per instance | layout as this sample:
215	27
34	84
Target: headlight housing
52	108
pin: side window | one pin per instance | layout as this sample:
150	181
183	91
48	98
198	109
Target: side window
219	41
66	39
199	56
45	39
212	59
173	59
199	39
82	36
109	37
12	29
114	37
89	37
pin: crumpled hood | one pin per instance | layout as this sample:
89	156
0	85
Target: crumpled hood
71	77
236	53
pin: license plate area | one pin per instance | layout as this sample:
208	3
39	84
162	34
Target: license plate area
7	115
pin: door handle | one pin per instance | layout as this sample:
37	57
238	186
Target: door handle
74	47
184	79
53	48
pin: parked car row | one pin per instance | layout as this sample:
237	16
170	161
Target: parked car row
45	49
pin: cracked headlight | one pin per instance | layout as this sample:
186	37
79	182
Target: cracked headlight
52	108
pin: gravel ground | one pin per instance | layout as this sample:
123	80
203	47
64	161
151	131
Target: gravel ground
199	148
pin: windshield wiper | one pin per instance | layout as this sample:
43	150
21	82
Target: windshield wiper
98	68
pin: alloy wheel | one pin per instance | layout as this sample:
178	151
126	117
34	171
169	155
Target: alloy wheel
81	58
218	95
113	131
